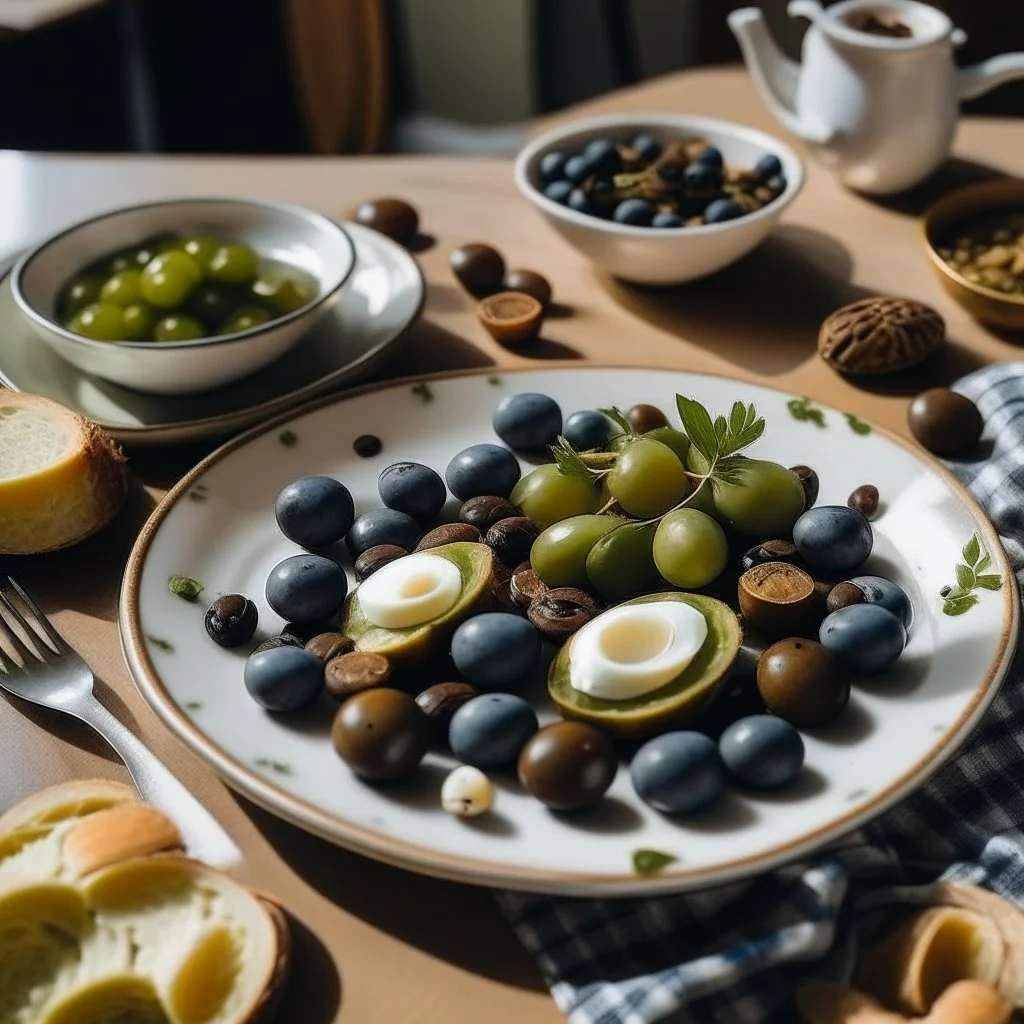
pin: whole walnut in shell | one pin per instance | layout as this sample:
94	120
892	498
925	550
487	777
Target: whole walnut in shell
880	335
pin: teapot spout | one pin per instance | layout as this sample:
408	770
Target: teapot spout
774	74
979	79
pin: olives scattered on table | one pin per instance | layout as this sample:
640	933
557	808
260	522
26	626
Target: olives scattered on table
181	288
945	422
587	553
658	183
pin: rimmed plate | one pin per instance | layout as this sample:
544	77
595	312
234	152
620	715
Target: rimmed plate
384	297
218	525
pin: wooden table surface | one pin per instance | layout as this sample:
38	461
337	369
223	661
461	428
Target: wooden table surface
378	945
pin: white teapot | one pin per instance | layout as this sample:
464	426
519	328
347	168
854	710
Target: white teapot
877	96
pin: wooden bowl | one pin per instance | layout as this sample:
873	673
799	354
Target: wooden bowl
961	207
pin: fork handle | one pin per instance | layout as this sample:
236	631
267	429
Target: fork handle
204	837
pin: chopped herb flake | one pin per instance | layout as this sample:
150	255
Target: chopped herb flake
288	438
163	645
422	391
858	426
650	862
281	767
805	411
185	587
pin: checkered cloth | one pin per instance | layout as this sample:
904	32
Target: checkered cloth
731	955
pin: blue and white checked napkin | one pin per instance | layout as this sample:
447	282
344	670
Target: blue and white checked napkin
732	955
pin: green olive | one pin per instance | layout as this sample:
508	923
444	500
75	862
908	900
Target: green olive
212	303
547	495
672	438
621	564
178	327
201	248
232	263
648	479
168	279
281	295
690	549
139	321
100	321
246	319
559	554
122	289
765	501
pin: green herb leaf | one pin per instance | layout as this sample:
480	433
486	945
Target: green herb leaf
959	605
991	581
965	577
569	461
858	426
752	429
698	426
649	862
288	438
494	381
721	430
984	563
423	393
737	418
194	705
619	418
972	550
804	411
185	587
164	645
730	470
281	767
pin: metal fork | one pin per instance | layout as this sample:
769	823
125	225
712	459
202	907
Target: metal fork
55	676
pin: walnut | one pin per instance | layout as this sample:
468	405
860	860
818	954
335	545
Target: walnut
880	335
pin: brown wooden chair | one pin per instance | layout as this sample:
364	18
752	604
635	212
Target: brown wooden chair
342	71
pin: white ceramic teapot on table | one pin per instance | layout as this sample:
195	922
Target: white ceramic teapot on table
878	93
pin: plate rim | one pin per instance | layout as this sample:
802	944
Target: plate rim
222	424
409	856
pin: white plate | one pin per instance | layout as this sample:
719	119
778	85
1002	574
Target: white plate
218	525
384	296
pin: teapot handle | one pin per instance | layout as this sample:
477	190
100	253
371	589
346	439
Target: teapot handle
980	78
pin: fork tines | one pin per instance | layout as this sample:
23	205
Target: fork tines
35	628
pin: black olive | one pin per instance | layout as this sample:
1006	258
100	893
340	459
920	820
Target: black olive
231	620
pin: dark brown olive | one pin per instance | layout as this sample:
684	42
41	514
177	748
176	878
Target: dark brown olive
448	533
526	586
770	551
645	417
367	445
231	620
511	539
558	613
799	680
865	500
529	282
842	595
381	734
945	422
810	483
440	701
329	645
280	640
568	765
486	510
479	268
355	671
376	558
392	217
511	318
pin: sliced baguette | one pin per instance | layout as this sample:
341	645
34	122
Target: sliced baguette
62	478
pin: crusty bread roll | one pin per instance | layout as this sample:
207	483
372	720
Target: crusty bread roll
95	928
62	478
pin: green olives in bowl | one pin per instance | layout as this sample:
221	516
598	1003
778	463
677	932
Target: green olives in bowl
186	295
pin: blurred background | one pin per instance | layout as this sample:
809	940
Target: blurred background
362	76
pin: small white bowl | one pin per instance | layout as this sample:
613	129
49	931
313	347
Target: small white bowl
661	256
278	231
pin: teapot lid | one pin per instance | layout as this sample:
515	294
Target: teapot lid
886	24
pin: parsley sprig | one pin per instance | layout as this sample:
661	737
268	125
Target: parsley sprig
719	440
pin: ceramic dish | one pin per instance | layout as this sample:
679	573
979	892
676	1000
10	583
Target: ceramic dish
218	524
960	207
384	297
661	255
288	234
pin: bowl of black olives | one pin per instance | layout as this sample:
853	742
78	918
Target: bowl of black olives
660	198
184	295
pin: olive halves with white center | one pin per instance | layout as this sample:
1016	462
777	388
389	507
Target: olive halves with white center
231	620
568	765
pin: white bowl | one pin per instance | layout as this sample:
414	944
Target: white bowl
278	231
661	256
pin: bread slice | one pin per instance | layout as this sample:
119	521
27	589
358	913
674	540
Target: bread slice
62	478
95	928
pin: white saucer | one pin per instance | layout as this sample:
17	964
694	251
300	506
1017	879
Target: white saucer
385	296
